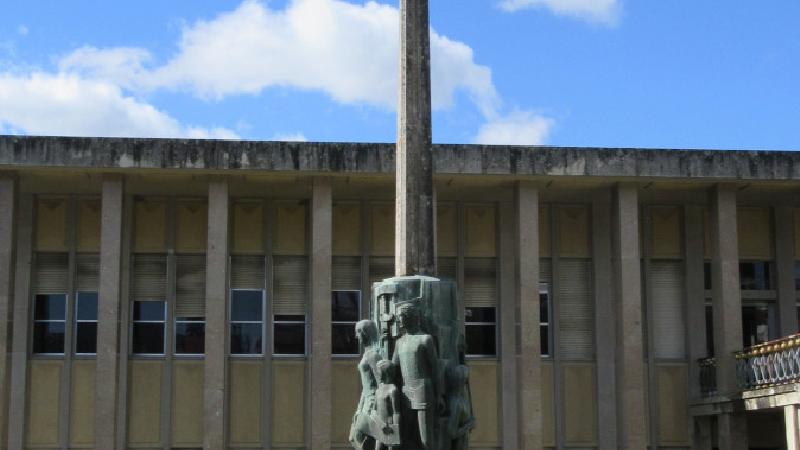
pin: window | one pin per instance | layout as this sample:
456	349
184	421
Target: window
481	330
755	275
290	334
544	319
759	323
190	305
345	312
247	322
49	323
709	329
86	323
190	335
149	319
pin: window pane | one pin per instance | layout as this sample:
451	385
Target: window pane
544	317
345	306
190	337
755	275
87	306
48	337
148	311
50	307
481	340
755	325
246	338
86	337
709	331
148	338
289	318
544	335
344	339
482	314
246	306
290	338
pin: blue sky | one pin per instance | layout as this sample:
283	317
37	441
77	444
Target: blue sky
645	73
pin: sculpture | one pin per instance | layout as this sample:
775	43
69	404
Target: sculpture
415	387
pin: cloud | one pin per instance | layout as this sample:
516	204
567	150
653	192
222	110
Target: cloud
67	105
289	137
22	30
595	11
516	128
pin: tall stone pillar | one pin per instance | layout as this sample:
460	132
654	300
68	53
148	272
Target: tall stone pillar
605	319
530	370
792	427
108	313
508	326
22	320
215	406
414	222
631	407
727	304
8	204
694	243
784	260
320	357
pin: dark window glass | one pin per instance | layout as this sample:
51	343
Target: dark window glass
344	339
87	306
48	337
290	338
148	337
481	314
345	306
755	275
544	316
544	335
50	307
246	338
246	306
289	318
481	340
86	337
190	337
709	331
758	324
148	311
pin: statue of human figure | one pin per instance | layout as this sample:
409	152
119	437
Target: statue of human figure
387	408
460	422
416	356
367	334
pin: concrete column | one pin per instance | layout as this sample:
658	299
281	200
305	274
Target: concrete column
508	327
694	243
19	345
732	431
701	433
631	407
8	196
216	371
784	260
725	286
530	371
320	357
108	313
605	319
414	209
792	427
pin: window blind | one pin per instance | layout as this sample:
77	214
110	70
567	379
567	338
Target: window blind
480	282
149	277
248	272
448	268
52	273
291	285
346	273
575	311
88	268
380	268
190	286
669	332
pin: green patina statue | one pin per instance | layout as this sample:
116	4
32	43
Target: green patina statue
414	381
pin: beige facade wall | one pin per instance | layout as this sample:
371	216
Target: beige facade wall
548	406
382	232
191	221
288	404
673	405
82	405
245	403
344	399
51	224
580	405
88	233
187	404
573	231
347	229
480	223
248	227
666	236
755	233
544	232
447	230
485	399
150	225
144	403
289	236
43	412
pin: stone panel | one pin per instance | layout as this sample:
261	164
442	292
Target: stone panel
481	235
544	232
191	227
150	225
665	236
82	410
288	403
89	211
548	406
344	399
248	227
673	420
187	404
245	403
51	224
447	230
382	232
755	233
485	401
346	229
573	232
44	392
144	402
290	233
580	406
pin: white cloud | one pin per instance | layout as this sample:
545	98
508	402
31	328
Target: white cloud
22	30
289	137
596	11
517	128
68	105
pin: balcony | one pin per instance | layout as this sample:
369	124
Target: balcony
769	364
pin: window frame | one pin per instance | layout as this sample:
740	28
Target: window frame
482	324
65	321
305	337
544	288
348	322
262	322
175	351
163	323
78	321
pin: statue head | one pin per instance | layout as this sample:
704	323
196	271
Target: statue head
385	371
366	332
408	317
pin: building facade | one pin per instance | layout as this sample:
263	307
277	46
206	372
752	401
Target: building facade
161	294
